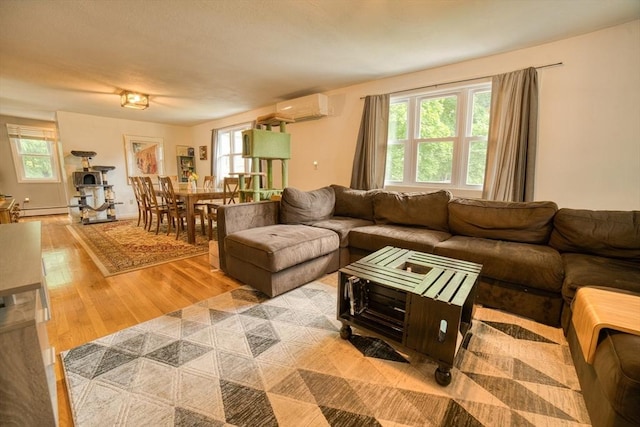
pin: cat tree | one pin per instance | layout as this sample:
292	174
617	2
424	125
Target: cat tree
260	144
86	183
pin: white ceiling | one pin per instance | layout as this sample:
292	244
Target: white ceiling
206	59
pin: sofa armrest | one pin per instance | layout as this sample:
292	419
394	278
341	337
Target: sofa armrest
233	218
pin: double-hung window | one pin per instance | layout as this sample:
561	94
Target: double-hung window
35	154
229	151
439	139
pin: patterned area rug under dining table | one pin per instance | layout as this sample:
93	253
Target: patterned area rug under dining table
122	246
243	359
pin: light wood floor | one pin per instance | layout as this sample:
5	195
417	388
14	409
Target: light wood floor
85	305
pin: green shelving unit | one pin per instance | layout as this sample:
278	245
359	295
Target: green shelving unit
186	166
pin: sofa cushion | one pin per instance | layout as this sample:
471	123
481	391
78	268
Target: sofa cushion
617	365
420	209
525	222
535	266
277	247
606	233
342	225
354	203
374	237
590	270
304	207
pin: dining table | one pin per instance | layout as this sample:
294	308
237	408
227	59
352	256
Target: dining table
191	197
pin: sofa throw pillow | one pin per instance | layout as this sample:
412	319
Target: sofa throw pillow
613	234
306	207
353	203
525	222
422	209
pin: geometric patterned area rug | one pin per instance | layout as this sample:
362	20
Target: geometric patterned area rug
243	359
121	246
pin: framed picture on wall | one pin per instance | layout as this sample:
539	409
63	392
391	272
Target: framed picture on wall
191	152
203	152
144	156
182	150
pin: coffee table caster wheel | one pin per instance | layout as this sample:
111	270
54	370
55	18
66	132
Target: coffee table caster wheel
443	376
345	332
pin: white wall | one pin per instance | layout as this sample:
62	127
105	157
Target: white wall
589	153
105	136
589	120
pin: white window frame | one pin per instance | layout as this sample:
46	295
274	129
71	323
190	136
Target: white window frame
18	133
225	163
461	140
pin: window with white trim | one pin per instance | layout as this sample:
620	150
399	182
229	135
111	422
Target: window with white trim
229	151
35	153
439	138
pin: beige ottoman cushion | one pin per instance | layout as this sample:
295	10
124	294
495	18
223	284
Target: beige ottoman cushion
277	247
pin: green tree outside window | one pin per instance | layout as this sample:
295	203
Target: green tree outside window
444	127
36	158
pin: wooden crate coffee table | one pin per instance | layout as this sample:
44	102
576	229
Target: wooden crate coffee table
422	301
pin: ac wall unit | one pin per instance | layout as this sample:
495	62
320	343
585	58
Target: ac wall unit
306	108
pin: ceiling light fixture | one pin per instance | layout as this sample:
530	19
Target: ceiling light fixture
135	100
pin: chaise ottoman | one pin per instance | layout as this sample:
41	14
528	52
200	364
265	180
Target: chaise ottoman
277	258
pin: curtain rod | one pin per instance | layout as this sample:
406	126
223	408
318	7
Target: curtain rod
461	81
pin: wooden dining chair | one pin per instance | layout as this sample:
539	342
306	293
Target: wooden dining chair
139	195
209	182
177	212
140	186
153	205
212	218
230	191
202	207
230	187
174	181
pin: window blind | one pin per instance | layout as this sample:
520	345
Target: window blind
31	132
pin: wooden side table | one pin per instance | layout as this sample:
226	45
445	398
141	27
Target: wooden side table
6	206
595	309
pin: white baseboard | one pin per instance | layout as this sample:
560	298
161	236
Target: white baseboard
40	212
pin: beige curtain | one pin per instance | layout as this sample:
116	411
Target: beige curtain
371	147
214	158
511	148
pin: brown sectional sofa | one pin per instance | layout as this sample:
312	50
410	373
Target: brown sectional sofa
534	256
602	249
520	272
